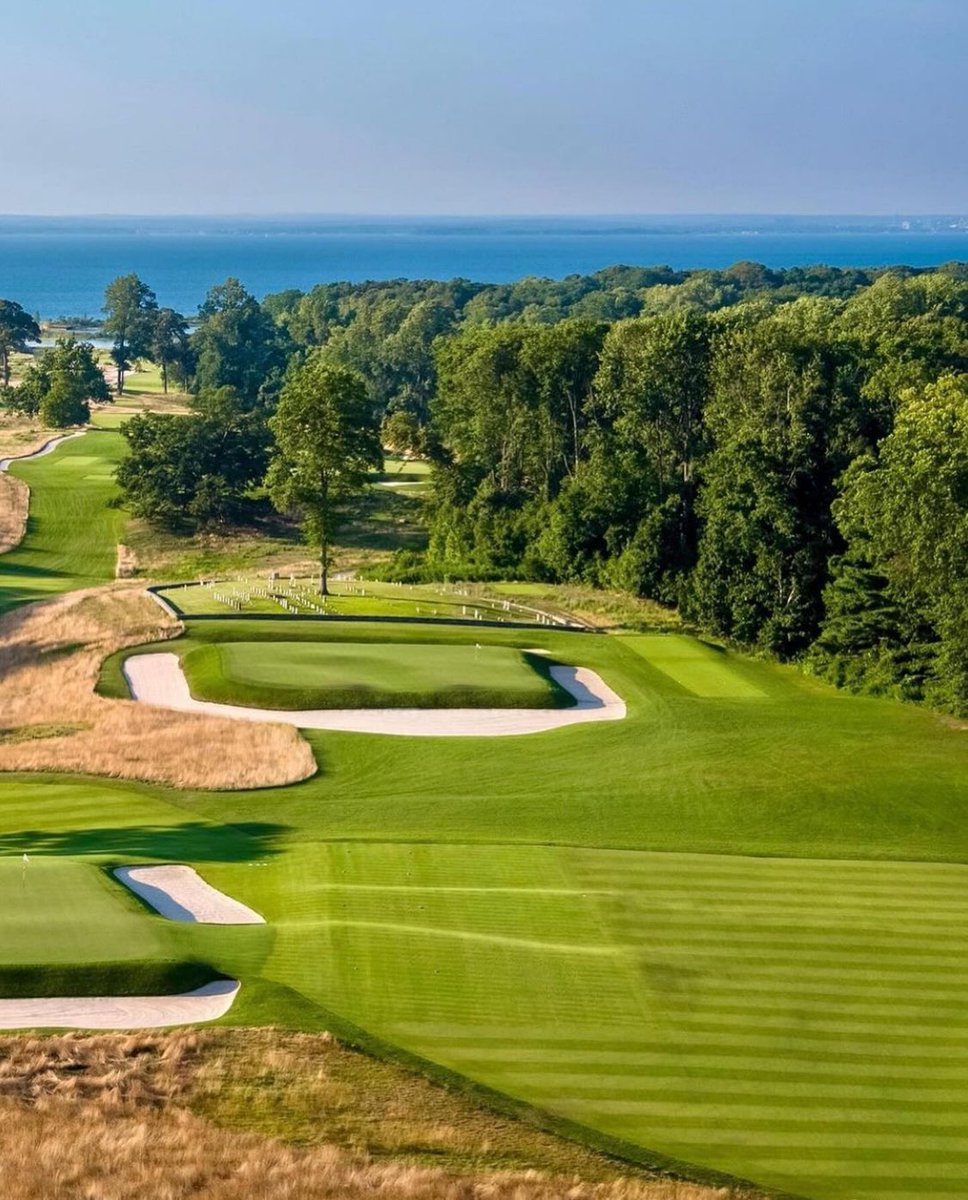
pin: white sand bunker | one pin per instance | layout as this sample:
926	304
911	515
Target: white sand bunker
158	679
206	1003
180	893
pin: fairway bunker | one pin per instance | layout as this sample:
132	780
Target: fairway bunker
179	893
206	1003
158	679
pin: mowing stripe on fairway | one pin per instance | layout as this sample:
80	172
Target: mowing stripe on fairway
72	534
700	669
702	1033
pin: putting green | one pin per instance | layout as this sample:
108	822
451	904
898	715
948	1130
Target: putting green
297	675
60	911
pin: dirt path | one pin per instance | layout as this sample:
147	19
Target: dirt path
158	679
206	1003
181	894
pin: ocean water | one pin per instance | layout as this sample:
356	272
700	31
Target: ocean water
59	266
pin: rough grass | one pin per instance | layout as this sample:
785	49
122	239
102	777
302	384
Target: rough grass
110	1117
50	657
14	502
21	435
297	675
599	608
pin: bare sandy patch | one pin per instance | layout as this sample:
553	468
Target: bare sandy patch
207	1003
126	565
50	657
158	679
181	894
14	503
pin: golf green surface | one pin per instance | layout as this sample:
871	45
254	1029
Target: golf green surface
300	675
731	930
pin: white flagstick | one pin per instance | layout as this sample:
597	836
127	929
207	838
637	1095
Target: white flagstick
23	878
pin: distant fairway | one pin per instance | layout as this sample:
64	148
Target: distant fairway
72	536
296	675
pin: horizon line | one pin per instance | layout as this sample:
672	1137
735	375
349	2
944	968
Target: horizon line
523	215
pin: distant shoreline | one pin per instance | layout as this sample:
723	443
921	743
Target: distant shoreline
58	266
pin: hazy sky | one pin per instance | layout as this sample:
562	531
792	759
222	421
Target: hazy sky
484	106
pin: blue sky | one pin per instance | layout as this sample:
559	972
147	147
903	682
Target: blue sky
505	106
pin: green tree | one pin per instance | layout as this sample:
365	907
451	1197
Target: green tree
785	419
169	342
193	471
129	319
650	396
236	343
60	384
17	330
911	505
327	440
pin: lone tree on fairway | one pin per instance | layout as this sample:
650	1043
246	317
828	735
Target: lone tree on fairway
129	308
326	442
17	328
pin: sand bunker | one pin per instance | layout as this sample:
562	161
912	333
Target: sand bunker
46	448
158	679
206	1003
181	894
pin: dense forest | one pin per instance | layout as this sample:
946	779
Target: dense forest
783	455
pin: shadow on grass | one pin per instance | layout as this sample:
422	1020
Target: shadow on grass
195	841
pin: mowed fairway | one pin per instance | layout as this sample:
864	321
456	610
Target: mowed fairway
300	675
72	534
731	930
800	1023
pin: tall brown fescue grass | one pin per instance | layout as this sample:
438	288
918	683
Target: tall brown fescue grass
50	655
21	435
107	1117
14	501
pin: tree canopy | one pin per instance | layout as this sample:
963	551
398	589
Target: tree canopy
60	383
17	330
326	443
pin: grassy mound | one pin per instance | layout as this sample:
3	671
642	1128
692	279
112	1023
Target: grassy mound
138	978
297	675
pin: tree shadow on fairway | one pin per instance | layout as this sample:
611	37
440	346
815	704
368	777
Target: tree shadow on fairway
195	841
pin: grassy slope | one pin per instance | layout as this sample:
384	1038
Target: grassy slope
296	675
574	918
72	536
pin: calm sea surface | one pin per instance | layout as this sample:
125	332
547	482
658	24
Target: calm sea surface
59	266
